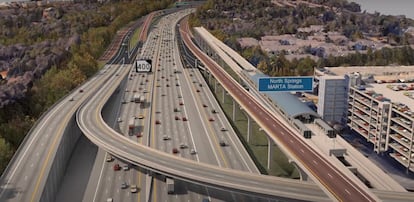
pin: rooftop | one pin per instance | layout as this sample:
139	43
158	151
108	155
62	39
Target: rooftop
400	96
287	102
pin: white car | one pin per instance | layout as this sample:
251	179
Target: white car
134	188
109	158
125	167
119	119
193	151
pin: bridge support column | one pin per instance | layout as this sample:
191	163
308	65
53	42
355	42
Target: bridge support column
269	152
234	110
223	94
303	176
249	127
215	86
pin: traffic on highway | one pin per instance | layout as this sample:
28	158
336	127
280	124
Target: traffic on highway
160	134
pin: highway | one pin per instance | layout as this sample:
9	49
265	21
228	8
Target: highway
93	126
339	185
24	178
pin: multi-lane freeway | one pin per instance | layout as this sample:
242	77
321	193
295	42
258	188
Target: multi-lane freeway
177	111
92	124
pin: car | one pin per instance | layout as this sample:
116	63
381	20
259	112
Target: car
157	122
223	129
138	134
124	185
133	188
184	118
117	167
125	167
204	105
176	109
191	74
179	96
166	137
213	111
222	143
181	103
141	116
211	119
145	91
119	119
109	158
175	151
116	74
177	84
146	80
168	85
193	151
72	99
142	83
109	200
158	85
183	146
197	90
81	90
177	118
123	101
166	79
134	91
126	90
201	85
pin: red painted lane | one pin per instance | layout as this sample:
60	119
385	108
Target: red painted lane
337	183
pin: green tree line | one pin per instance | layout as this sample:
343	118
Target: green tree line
97	30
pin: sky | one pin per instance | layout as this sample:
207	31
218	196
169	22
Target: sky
388	7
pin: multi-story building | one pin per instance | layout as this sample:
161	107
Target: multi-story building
332	98
387	124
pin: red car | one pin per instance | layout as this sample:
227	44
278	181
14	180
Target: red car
157	122
211	119
117	167
175	150
177	118
139	134
184	118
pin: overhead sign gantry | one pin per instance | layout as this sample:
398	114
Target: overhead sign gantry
283	84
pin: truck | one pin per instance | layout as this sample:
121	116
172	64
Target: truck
137	98
131	124
170	185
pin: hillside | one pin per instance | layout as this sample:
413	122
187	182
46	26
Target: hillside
48	49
